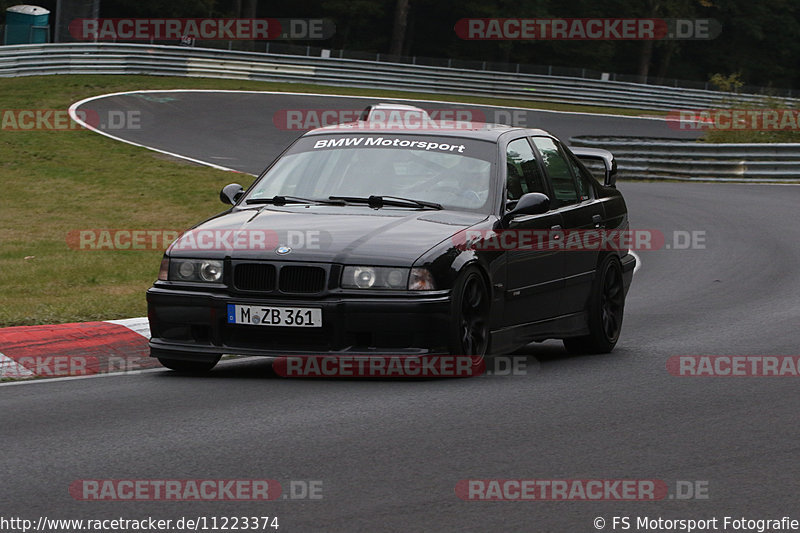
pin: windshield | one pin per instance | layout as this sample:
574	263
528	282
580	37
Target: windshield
453	172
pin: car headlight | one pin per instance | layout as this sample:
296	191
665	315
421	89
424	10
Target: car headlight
366	277
200	270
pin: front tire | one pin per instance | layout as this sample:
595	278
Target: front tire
469	333
606	310
187	367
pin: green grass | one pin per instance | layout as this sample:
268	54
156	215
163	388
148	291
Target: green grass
52	183
788	135
750	136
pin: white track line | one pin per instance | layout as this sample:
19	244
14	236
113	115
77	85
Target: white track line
72	113
222	363
73	378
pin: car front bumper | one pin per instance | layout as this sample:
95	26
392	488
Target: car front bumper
187	324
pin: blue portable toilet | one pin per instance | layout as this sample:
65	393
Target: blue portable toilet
27	25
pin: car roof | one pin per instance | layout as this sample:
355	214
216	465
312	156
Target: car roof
387	105
477	130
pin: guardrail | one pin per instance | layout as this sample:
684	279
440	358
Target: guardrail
672	159
115	58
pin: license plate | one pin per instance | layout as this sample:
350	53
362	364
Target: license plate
290	317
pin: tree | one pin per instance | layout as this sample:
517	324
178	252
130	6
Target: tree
399	29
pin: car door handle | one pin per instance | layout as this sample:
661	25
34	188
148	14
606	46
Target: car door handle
556	228
598	221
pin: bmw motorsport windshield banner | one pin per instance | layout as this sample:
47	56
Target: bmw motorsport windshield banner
451	145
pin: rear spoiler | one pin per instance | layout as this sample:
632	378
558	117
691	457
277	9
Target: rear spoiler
605	157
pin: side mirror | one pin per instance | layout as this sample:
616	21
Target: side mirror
533	203
230	194
603	156
611	175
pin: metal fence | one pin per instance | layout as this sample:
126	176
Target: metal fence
637	158
660	159
113	58
288	48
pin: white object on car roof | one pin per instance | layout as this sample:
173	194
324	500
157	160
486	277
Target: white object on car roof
383	110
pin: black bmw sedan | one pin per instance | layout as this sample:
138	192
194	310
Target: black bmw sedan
405	243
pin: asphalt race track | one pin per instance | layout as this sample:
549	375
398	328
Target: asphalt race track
390	453
240	130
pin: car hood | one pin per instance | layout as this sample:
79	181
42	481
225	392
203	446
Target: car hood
349	234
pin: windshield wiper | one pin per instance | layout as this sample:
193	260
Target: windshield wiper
283	200
377	202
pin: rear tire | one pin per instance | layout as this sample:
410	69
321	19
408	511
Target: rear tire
606	310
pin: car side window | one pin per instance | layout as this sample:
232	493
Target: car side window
558	169
523	174
585	190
